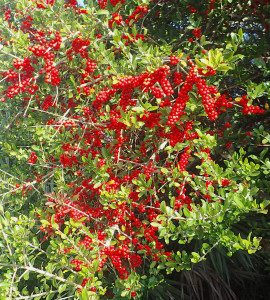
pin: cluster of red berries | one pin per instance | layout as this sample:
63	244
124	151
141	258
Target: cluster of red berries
121	258
250	109
181	133
115	2
79	46
166	86
208	100
104	3
138	13
157	92
72	3
177	78
23	65
145	82
117	263
197	32
22	80
7	14
77	264
225	182
103	97
149	170
26	24
183	161
151	119
43	3
174	60
32	158
51	72
208	72
129	39
116	19
180	103
87	242
91	66
222	103
182	199
47	103
38	50
68	160
55	43
24	86
213	106
45	51
114	122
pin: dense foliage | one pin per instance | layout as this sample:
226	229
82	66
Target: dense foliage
134	143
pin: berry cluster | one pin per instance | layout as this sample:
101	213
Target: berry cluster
102	3
177	78
44	49
180	103
116	2
138	13
116	19
183	161
43	3
208	100
79	46
21	76
250	109
47	103
32	158
129	39
67	160
174	60
91	65
51	72
182	199
77	264
208	72
182	133
197	32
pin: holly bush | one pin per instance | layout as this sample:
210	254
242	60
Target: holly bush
133	141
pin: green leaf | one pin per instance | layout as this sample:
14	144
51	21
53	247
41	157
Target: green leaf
163	206
84	294
103	12
62	288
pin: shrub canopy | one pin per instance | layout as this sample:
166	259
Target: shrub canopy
133	141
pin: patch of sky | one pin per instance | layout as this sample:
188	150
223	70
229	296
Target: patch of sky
81	3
